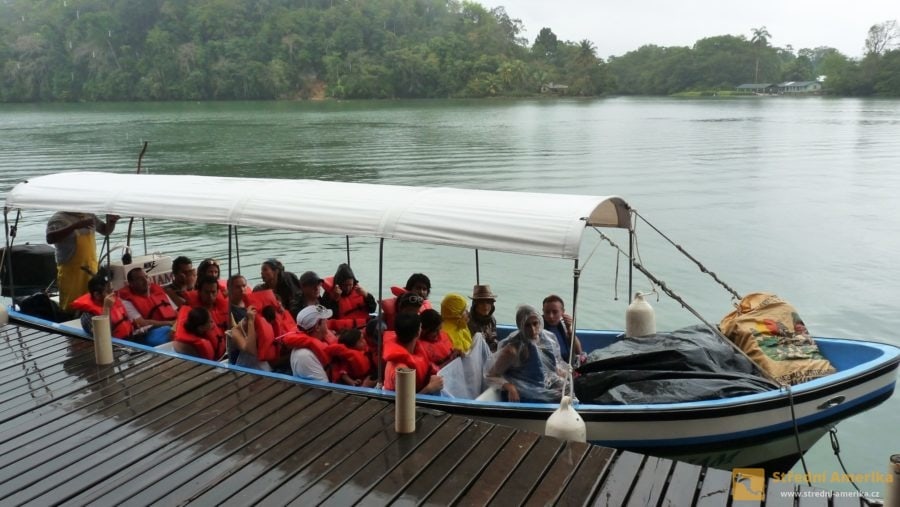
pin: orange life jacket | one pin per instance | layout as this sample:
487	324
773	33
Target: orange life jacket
155	305
301	340
210	345
352	361
396	356
119	324
389	306
438	350
352	310
220	312
267	348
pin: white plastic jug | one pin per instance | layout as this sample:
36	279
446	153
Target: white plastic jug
565	423
640	319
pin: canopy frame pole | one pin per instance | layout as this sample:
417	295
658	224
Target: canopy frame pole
237	251
576	275
378	332
477	269
348	249
631	239
229	251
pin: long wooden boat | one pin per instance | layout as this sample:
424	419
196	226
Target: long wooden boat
768	429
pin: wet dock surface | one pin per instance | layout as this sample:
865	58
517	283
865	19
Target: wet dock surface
156	429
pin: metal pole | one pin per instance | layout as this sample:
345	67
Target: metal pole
630	263
477	269
237	249
229	251
378	333
348	250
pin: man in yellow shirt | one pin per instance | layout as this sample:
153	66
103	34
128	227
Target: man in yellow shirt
76	250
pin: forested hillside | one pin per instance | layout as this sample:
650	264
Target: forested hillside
104	50
273	49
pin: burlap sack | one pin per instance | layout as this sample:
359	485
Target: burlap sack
771	332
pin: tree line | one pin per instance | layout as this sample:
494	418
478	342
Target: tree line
122	50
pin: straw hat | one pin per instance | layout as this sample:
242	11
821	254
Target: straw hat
483	292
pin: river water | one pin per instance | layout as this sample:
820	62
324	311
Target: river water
796	196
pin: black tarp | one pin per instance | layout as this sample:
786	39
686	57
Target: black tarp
690	364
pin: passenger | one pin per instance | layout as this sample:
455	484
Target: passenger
210	267
209	297
196	334
310	290
149	308
237	291
283	283
76	250
244	343
456	321
350	303
435	340
481	316
309	356
418	284
407	352
350	363
408	302
558	322
183	279
527	366
101	300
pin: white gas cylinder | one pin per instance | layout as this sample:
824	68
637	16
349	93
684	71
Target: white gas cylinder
639	317
565	423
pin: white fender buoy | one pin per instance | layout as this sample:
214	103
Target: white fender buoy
892	493
4	315
565	423
640	319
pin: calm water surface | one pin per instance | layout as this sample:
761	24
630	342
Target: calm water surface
794	196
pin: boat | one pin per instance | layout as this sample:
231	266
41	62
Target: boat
770	429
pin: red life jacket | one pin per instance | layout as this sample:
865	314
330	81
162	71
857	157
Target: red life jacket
301	340
396	356
209	346
119	324
155	305
220	312
389	306
344	359
438	350
284	322
352	310
267	349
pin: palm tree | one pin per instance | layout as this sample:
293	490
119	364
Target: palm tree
759	40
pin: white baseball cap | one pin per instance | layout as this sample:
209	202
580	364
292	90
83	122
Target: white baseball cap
309	316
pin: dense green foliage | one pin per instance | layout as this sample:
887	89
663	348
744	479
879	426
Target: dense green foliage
726	61
86	50
266	49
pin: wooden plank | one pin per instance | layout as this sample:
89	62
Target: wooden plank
357	485
491	479
147	438
288	445
42	443
437	470
619	480
548	490
778	494
651	483
196	460
35	474
325	474
528	473
65	401
808	496
587	477
395	482
255	473
48	378
683	485
345	470
197	426
715	489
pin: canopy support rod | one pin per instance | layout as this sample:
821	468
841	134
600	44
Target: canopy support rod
576	275
477	269
630	263
229	252
378	332
348	250
237	250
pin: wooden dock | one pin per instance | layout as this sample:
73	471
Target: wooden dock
159	430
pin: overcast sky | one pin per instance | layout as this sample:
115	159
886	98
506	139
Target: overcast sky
617	27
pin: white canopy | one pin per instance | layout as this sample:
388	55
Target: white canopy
548	225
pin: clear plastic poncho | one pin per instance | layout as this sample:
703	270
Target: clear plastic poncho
529	361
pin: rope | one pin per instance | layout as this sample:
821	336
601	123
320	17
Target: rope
836	447
689	256
790	394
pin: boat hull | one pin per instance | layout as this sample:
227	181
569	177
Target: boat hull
758	430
